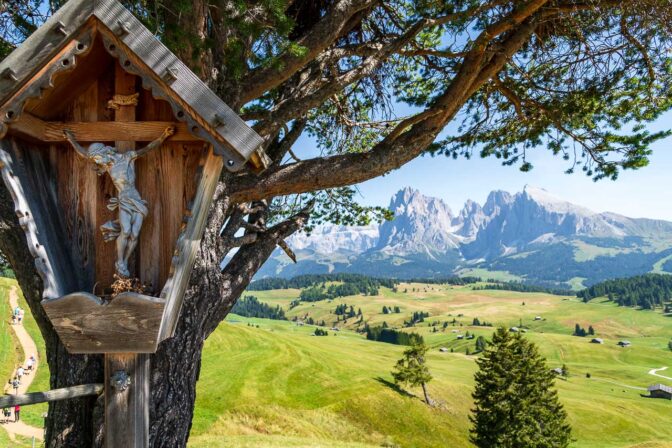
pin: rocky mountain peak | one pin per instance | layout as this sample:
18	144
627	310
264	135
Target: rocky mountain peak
421	224
497	200
550	202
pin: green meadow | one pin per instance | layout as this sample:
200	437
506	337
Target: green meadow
268	383
272	384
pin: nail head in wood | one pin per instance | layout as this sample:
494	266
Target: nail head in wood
218	121
124	28
61	29
120	380
10	74
171	75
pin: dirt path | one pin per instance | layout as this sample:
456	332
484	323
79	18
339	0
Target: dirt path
654	372
29	348
618	384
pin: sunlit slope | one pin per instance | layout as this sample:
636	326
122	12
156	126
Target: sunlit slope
277	385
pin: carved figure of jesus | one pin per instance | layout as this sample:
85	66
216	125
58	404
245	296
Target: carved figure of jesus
131	207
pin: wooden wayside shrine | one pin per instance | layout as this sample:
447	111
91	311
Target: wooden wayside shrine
111	149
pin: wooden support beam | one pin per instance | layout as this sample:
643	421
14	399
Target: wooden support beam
100	131
126	374
126	409
65	393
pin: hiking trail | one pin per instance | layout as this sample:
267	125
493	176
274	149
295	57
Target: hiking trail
29	348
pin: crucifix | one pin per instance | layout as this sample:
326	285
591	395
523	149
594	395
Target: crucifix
132	209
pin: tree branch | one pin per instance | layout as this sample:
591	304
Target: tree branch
320	37
401	145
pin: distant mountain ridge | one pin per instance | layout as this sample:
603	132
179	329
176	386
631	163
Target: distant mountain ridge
532	235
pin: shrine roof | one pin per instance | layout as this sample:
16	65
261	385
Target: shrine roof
141	51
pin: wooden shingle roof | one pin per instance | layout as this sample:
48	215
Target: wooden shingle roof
206	114
662	387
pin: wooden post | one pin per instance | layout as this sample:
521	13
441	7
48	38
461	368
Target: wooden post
126	400
126	403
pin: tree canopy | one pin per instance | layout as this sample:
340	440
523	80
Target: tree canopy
375	84
412	369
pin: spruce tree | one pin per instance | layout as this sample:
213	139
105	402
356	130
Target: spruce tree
480	344
412	370
515	402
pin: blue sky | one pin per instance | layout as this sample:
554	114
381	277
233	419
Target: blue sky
643	193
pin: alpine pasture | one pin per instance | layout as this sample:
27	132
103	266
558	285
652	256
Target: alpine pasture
269	383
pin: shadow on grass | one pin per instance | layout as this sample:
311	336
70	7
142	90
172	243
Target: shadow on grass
394	387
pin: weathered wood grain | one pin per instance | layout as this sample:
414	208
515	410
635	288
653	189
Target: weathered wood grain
127	412
91	65
65	393
86	324
139	131
31	218
188	244
62	62
41	44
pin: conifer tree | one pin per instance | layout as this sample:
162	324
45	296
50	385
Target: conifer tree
412	370
481	344
515	402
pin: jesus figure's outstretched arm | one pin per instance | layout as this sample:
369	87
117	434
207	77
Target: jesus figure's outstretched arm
156	143
78	148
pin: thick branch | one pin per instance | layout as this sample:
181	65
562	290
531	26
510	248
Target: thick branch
248	260
309	101
399	147
323	34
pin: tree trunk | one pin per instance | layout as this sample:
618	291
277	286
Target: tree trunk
426	393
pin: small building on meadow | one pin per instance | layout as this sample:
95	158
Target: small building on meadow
557	371
597	341
460	336
514	329
624	343
443	349
660	391
537	318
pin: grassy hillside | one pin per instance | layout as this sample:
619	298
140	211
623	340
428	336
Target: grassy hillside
275	385
272	384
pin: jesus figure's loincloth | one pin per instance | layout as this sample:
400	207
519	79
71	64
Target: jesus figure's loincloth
130	203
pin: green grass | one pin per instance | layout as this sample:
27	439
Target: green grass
278	386
11	355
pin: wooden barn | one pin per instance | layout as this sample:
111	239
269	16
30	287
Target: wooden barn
660	391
